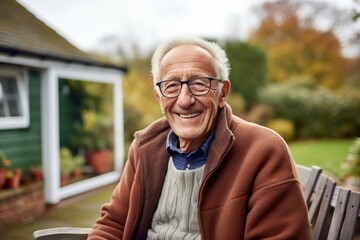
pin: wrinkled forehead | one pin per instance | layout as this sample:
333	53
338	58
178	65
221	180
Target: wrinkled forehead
187	56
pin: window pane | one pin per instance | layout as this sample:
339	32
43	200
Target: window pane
9	85
2	111
14	108
10	104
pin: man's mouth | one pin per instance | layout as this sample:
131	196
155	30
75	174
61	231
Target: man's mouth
190	115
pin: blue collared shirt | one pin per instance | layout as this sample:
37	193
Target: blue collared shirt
186	161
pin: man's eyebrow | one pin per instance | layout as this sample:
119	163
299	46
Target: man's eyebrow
176	78
173	78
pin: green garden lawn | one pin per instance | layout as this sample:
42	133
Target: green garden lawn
327	154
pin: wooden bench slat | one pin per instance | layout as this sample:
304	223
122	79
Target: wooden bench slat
351	216
318	194
324	209
309	176
339	213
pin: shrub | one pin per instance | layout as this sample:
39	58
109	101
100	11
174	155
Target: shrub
237	103
315	111
352	162
285	128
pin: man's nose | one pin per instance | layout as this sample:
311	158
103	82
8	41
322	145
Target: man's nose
185	97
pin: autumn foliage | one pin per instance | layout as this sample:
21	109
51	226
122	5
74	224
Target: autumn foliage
295	47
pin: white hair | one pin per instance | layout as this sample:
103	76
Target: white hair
221	62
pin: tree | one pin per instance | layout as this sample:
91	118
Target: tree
248	69
295	47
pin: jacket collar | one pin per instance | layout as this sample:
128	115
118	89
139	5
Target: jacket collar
222	142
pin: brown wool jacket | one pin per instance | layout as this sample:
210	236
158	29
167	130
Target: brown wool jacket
250	188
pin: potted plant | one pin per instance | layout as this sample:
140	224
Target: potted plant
4	164
352	166
95	135
13	178
36	173
66	165
78	162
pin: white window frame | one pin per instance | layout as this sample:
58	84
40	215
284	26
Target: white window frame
23	90
50	129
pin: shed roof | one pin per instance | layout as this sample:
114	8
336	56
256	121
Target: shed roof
22	33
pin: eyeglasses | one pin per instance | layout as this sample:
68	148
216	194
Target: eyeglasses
198	86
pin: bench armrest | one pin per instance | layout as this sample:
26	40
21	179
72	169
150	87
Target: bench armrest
70	233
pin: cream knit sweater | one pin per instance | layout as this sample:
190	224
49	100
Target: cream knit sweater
176	215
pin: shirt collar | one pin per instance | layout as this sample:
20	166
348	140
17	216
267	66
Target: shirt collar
172	145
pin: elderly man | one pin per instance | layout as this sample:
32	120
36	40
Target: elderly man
201	172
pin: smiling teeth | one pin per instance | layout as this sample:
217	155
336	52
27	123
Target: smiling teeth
191	115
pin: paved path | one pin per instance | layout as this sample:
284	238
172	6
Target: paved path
80	211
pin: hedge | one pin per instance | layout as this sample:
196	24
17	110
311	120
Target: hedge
315	111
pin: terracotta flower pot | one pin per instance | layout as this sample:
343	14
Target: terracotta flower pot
64	179
36	174
13	182
13	178
77	173
100	161
2	177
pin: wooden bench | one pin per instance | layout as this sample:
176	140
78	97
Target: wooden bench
333	210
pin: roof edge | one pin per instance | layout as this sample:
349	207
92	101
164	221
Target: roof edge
12	51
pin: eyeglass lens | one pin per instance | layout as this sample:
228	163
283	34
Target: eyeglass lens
197	86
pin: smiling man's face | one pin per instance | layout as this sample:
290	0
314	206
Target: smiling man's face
192	118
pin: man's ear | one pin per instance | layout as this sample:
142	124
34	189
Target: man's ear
224	93
157	95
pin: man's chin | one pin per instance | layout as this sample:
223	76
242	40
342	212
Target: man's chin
188	134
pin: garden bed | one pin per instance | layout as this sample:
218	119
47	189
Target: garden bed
21	204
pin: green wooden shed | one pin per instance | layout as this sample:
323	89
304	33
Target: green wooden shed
34	62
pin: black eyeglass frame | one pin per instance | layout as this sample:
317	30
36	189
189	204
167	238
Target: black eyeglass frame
187	83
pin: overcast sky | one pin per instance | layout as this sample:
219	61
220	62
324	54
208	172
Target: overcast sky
85	22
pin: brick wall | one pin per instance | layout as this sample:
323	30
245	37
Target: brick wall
21	205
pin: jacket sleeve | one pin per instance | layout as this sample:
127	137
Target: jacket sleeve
276	207
278	212
115	214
